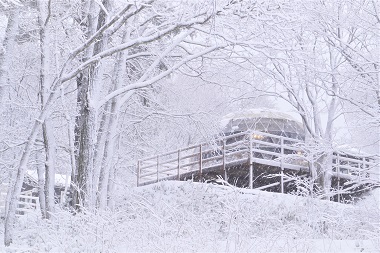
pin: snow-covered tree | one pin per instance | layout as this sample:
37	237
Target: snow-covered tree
106	51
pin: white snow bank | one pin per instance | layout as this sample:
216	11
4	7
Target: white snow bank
371	199
194	217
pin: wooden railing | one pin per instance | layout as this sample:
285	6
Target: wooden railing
246	147
27	202
358	168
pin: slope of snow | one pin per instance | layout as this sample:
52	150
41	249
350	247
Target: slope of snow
194	217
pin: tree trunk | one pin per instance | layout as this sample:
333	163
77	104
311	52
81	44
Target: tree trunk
85	144
324	174
6	52
85	132
108	152
111	188
106	167
96	89
47	128
100	144
88	94
70	134
41	187
50	148
16	189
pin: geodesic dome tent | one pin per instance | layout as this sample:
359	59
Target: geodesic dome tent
263	120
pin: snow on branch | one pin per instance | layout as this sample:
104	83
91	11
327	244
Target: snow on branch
139	85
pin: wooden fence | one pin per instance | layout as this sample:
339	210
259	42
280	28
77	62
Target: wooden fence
27	202
247	147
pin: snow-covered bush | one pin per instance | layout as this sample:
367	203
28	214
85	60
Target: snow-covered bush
194	217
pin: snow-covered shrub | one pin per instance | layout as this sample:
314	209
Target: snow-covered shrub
194	217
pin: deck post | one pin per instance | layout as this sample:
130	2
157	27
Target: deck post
200	162
363	166
138	173
179	165
338	176
38	204
282	164
224	159
250	161
158	165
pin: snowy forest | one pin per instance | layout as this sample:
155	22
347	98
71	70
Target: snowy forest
122	125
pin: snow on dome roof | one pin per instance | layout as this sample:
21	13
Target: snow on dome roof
257	113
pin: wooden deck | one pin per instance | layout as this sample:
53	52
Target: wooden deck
250	148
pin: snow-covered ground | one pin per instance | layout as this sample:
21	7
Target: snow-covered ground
194	217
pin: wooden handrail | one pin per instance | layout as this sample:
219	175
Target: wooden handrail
342	158
196	157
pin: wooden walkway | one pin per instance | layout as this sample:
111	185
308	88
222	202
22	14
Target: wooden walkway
251	147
